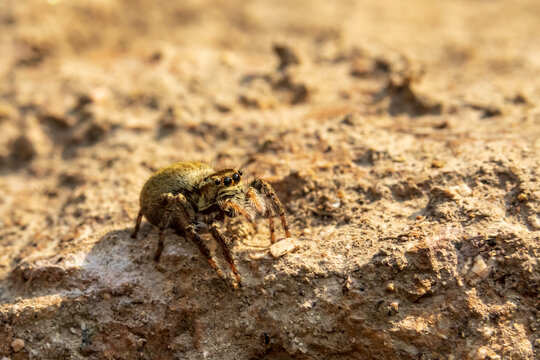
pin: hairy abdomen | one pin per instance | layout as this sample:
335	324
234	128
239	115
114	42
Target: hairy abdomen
177	178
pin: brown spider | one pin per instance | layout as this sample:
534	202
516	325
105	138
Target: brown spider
179	195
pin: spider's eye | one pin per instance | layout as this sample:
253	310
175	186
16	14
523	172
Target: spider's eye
217	181
239	172
236	177
227	181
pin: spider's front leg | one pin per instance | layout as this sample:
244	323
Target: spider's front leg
178	208
216	229
272	202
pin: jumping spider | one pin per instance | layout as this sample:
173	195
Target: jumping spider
180	195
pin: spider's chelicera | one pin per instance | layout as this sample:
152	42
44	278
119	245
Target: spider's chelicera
181	195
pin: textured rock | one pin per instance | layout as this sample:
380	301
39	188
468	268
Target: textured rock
410	178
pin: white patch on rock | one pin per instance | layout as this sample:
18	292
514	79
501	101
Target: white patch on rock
480	268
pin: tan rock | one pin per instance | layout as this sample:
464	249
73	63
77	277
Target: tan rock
283	247
17	345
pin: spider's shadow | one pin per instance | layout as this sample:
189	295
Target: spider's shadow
116	263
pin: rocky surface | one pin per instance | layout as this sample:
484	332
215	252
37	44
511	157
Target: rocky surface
402	137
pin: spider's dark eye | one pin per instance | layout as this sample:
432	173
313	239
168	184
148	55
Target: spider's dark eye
217	181
227	181
236	177
240	172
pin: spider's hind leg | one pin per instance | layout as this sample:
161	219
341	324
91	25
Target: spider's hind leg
137	223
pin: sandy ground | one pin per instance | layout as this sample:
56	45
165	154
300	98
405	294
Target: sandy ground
402	138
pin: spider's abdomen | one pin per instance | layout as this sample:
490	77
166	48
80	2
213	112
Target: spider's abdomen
181	177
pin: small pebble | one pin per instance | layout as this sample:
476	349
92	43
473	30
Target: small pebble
437	164
485	353
461	189
390	287
535	222
480	268
283	247
522	197
140	343
17	345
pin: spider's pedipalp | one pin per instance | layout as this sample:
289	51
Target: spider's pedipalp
254	198
238	208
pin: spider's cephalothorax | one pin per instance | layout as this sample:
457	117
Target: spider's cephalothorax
179	195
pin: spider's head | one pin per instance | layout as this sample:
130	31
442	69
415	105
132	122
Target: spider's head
221	186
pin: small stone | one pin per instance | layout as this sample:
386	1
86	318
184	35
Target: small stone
393	307
106	296
283	247
306	305
140	343
346	286
535	221
390	287
480	354
450	193
437	164
522	197
485	353
479	267
17	345
462	190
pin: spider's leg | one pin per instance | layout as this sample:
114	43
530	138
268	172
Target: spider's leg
193	236
271	226
188	226
170	202
268	192
223	240
137	224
